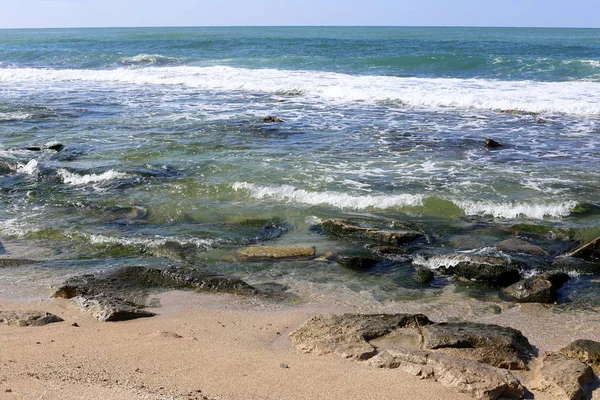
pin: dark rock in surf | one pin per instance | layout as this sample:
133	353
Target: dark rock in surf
270	119
28	318
348	229
15	262
493	271
56	147
356	262
531	290
491	143
423	275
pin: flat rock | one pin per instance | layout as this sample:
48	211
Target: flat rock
15	262
28	318
495	345
467	376
356	262
516	245
563	377
349	334
587	351
492	271
277	251
589	251
348	229
107	309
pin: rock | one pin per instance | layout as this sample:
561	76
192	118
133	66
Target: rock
356	262
349	334
488	270
56	147
270	119
277	251
470	377
15	262
587	351
491	143
75	325
563	377
423	275
347	229
566	263
531	290
107	309
516	245
28	318
494	345
589	251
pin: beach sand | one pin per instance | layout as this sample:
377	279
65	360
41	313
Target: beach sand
210	346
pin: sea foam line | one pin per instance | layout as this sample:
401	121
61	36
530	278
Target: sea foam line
76	180
580	97
290	194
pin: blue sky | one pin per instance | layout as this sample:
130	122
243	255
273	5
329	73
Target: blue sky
85	13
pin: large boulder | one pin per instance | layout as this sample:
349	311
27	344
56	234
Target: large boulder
563	377
349	334
494	345
28	318
349	229
477	380
494	271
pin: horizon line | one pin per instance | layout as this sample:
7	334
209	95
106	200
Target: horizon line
299	26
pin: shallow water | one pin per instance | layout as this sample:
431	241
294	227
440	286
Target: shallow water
164	144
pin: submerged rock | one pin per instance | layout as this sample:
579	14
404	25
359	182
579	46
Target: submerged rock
277	251
478	380
270	119
28	318
491	143
563	377
15	262
423	275
492	271
494	345
516	245
348	229
356	262
589	251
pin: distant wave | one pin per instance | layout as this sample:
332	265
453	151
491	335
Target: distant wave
149	59
505	210
580	98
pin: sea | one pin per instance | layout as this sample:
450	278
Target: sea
165	158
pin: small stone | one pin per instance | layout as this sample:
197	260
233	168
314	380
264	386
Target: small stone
284	365
75	324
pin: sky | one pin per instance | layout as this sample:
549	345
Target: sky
113	13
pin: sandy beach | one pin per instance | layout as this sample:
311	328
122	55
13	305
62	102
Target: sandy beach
218	346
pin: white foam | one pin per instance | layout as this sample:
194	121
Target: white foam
31	168
148	242
573	97
291	194
149	59
513	210
76	180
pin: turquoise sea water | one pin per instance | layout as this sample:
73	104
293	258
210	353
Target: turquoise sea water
164	143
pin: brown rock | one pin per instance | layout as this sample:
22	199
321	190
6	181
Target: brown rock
467	376
277	251
28	318
516	245
495	345
563	377
532	290
587	351
106	309
349	334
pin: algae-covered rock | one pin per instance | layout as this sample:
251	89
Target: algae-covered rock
277	251
348	229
